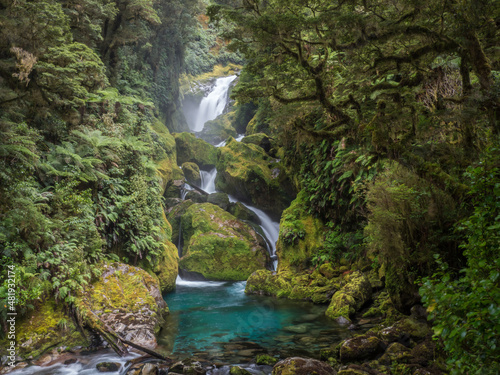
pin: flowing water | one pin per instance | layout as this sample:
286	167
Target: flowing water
214	103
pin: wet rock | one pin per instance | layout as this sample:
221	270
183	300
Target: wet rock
219	129
219	199
241	212
302	366
128	300
300	328
265	359
245	173
237	370
195	150
192	173
423	353
259	139
218	245
108	367
351	297
405	328
196	197
395	352
359	370
327	270
360	348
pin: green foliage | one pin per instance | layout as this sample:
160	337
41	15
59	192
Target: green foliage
339	245
465	306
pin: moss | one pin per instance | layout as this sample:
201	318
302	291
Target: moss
265	359
300	237
360	348
220	129
45	328
192	173
351	297
246	172
218	245
195	150
166	159
259	139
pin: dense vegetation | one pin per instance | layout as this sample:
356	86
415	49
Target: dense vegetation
389	112
386	114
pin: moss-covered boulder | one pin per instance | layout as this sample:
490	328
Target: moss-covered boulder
219	246
127	300
265	359
259	139
42	330
195	150
249	174
220	129
361	348
241	212
302	366
192	173
299	286
219	199
351	297
196	196
301	236
405	327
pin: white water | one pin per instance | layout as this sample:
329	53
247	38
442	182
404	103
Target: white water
214	103
197	284
208	180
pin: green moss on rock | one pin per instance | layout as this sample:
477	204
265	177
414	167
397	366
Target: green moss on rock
248	173
302	366
218	245
192	173
300	237
220	129
360	348
351	297
195	150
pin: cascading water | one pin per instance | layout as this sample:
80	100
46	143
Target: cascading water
208	180
213	104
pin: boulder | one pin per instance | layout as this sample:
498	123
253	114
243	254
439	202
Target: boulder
239	210
351	297
259	139
237	370
108	367
220	129
407	327
219	246
302	366
192	173
127	300
245	171
219	199
265	359
196	197
361	348
195	150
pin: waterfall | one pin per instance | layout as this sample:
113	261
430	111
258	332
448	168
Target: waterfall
208	180
214	103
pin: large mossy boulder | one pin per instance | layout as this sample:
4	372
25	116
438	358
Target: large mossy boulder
355	293
360	348
127	300
192	173
249	174
260	139
220	129
42	330
300	237
219	246
304	286
302	366
195	150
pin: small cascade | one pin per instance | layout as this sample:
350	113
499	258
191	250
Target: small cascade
208	180
214	103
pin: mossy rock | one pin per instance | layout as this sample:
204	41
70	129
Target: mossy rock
246	172
413	329
165	155
303	286
196	197
192	173
302	366
382	307
395	352
361	348
127	300
220	129
219	246
174	188
259	139
219	199
174	215
351	297
195	150
237	370
328	271
301	236
265	359
45	328
239	210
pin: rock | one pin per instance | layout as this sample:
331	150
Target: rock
351	297
219	246
245	172
175	187
423	353
196	197
192	173
219	129
407	326
237	370
300	328
327	270
195	150
265	359
300	237
149	369
359	370
41	330
259	139
302	366
219	199
238	210
127	300
360	348
108	367
395	352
